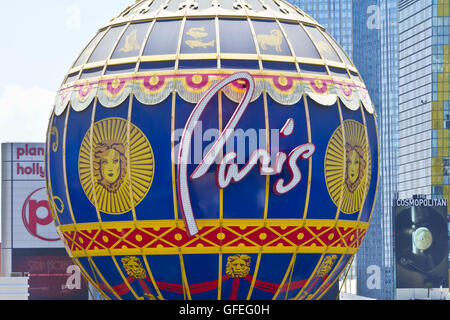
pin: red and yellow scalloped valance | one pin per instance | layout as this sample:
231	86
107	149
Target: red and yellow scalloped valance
153	89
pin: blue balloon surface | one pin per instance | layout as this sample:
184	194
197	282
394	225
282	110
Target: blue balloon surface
283	229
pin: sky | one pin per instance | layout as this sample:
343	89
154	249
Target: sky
39	41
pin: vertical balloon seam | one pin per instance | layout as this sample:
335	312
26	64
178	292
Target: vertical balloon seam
312	275
91	160
125	279
137	66
184	279
378	166
330	275
366	186
294	257
94	282
92	263
368	172
88	278
220	256
342	128
308	191
69	203
219	62
266	120
125	27
286	274
348	267
152	278
128	155
344	160
310	295
48	179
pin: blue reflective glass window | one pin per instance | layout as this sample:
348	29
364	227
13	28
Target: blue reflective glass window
197	64
236	36
313	69
239	64
300	42
199	36
270	38
91	73
87	51
120	68
337	72
169	30
132	40
104	48
72	77
156	66
322	44
355	76
276	65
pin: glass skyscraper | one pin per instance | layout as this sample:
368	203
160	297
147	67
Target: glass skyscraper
424	159
375	55
424	98
367	30
334	15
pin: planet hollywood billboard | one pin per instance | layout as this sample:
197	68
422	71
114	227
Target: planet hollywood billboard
30	243
24	194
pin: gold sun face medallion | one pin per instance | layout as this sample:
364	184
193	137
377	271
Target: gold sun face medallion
348	166
116	165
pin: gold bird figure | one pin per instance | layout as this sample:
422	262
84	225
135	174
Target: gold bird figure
131	42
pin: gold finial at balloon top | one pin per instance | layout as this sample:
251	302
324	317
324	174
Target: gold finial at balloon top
191	4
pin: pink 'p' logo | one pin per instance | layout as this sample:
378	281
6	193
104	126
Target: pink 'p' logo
36	213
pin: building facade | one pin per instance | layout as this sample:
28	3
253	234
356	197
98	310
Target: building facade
334	15
424	98
375	54
31	247
367	30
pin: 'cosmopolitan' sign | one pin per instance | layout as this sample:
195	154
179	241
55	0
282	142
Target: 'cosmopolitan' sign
420	202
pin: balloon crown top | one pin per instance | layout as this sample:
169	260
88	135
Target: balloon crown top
152	37
145	9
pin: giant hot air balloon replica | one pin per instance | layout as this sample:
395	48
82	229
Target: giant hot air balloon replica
212	149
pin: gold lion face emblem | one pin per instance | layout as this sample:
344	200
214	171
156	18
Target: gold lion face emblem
238	266
110	165
133	267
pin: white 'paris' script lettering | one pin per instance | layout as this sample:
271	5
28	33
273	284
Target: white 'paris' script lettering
227	170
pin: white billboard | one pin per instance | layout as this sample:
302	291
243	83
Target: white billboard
26	218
